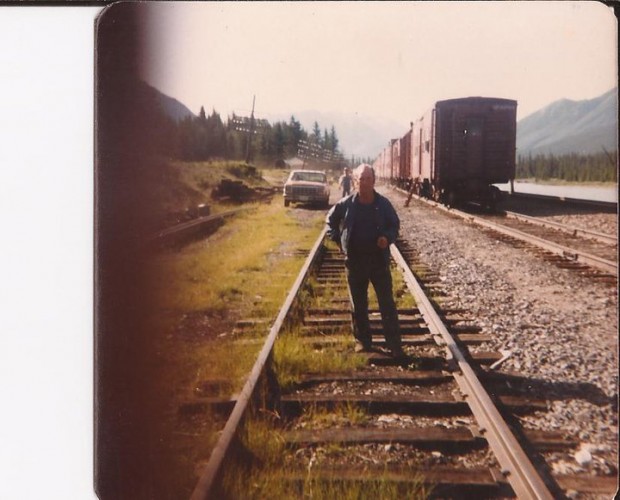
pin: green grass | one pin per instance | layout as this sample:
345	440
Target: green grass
293	358
195	295
402	296
260	470
379	488
263	470
272	483
206	175
234	267
229	276
318	417
172	186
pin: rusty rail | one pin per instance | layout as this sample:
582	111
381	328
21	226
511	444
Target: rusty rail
605	265
573	254
603	238
516	466
186	228
206	483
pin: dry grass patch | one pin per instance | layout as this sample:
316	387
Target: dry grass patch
341	415
264	472
293	358
235	268
197	293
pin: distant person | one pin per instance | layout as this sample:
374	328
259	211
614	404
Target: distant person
345	182
364	225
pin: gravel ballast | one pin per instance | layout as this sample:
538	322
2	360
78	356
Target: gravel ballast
558	328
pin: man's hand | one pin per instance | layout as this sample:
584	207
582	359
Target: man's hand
382	242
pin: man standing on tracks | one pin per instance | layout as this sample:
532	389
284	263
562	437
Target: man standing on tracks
364	225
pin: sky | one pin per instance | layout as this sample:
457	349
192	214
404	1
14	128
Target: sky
388	60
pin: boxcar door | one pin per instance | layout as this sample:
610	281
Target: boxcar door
474	147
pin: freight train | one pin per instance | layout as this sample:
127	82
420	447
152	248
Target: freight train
455	152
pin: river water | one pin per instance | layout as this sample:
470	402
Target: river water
572	191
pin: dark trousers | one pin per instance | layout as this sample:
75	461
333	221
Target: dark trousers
373	268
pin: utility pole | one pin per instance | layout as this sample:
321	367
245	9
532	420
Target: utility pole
247	154
249	126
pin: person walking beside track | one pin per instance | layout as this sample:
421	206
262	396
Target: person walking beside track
364	225
345	182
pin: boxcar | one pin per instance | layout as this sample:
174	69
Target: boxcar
461	147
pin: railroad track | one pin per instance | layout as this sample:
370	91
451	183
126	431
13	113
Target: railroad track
606	239
587	252
445	425
192	229
563	245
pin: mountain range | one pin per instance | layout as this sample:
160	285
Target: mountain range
564	126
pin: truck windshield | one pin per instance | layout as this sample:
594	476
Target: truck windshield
309	176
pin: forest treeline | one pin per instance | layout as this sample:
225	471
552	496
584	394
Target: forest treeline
208	137
600	167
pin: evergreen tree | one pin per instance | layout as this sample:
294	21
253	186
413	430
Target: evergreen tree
333	140
326	141
316	133
571	167
204	137
279	140
296	133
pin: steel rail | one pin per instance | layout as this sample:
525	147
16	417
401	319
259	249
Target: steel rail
205	486
571	253
516	466
604	238
194	224
605	265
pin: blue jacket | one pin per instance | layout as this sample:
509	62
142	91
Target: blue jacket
341	216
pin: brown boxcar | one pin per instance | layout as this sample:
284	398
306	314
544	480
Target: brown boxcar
461	147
